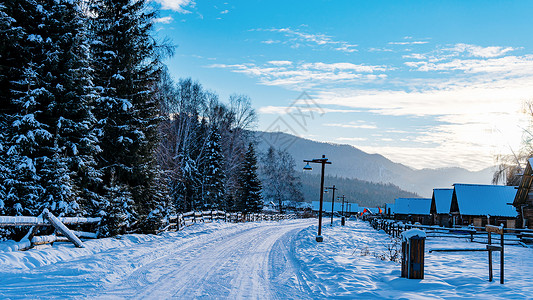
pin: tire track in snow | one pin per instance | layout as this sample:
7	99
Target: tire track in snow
236	266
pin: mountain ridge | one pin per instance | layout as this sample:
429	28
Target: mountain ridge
374	167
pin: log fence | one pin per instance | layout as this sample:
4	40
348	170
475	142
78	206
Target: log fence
61	232
475	234
178	222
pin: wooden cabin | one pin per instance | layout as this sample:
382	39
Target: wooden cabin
480	205
523	201
440	207
413	210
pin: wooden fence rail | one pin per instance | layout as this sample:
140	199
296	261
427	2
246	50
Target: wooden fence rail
62	232
395	228
178	222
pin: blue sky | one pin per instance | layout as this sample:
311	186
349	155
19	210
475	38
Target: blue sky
426	83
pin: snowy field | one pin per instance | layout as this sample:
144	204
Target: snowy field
266	260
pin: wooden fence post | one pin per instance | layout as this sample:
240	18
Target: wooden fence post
501	260
498	230
413	244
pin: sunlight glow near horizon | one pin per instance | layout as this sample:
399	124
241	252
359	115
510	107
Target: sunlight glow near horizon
429	85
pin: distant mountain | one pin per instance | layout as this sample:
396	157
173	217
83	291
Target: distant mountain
350	162
364	193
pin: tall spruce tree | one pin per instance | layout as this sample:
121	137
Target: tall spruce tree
249	192
46	93
126	72
213	176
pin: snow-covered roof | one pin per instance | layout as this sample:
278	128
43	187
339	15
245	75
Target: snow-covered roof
326	206
412	206
481	200
443	200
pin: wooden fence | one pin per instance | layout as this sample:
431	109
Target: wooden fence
61	232
183	220
395	228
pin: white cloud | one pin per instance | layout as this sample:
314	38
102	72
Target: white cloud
164	20
176	5
503	66
301	76
280	62
224	12
472	123
479	51
283	110
268	42
380	50
415	56
355	125
298	38
408	43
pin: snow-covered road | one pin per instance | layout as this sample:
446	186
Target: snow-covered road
246	263
222	261
262	260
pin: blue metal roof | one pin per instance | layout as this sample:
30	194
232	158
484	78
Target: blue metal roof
443	200
412	206
481	200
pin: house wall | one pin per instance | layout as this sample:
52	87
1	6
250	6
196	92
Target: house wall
441	220
422	219
525	210
482	221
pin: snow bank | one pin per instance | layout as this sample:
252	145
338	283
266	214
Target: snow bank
352	263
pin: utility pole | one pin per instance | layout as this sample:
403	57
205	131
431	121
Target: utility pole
342	211
324	161
333	188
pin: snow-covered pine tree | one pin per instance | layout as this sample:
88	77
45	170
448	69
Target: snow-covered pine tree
126	72
47	95
278	177
186	191
20	129
213	177
118	204
249	192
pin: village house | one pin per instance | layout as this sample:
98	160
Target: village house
412	210
479	205
523	201
440	207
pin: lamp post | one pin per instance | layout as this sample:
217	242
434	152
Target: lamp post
333	188
342	211
323	161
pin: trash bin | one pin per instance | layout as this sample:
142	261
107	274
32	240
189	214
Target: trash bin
413	242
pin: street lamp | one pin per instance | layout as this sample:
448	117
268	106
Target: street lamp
333	188
323	161
342	210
